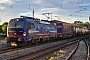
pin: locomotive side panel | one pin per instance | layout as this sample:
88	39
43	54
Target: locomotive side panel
42	32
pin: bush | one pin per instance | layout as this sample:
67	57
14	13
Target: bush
4	27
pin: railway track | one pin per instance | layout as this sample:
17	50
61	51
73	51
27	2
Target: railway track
5	50
14	52
37	54
34	52
78	53
41	52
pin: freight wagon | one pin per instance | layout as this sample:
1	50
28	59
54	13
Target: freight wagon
64	30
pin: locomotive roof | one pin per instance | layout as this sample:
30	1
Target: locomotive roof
36	19
18	19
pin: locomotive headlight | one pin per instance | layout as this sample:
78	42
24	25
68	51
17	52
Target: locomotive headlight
24	33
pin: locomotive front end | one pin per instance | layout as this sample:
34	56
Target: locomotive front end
15	32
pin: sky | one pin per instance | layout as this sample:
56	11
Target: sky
62	10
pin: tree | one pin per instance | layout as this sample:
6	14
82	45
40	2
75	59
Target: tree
1	29
4	27
86	24
5	23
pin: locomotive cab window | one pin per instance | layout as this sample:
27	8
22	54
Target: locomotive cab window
16	23
30	26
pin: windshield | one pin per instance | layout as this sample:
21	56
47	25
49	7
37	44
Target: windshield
16	23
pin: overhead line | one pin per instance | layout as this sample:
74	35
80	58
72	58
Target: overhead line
59	6
63	8
21	6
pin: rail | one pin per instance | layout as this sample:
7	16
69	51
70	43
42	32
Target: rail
73	52
44	53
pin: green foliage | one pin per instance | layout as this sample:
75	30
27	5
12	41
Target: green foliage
1	29
86	24
4	27
5	23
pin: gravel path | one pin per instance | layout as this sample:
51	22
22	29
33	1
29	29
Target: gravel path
81	52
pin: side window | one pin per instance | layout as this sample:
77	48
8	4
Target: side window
30	26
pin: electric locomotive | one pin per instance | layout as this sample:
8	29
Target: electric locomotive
25	30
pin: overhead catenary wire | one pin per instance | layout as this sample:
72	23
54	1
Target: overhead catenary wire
50	2
21	6
57	6
67	10
82	7
61	6
25	7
